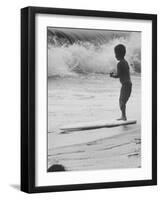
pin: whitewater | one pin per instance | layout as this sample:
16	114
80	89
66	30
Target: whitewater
92	55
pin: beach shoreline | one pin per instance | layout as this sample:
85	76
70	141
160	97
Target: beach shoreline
87	99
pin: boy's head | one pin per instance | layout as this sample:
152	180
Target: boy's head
120	51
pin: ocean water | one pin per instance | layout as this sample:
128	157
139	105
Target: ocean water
91	52
80	90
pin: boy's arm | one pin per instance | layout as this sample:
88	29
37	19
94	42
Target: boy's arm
114	75
117	75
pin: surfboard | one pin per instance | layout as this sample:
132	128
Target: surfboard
96	125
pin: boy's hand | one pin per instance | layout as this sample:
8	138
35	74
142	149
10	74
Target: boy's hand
111	74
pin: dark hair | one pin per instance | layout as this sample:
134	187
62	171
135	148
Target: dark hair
120	50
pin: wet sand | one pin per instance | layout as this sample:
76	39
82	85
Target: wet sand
86	99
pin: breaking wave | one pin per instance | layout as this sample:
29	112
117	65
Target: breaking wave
75	52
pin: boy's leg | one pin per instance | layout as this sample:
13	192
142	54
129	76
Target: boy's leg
123	110
124	95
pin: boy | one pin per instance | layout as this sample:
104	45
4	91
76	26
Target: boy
124	75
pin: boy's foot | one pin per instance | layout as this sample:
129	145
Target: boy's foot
122	118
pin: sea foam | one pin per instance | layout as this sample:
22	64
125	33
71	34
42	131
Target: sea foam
72	59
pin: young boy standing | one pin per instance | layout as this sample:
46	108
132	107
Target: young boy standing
124	75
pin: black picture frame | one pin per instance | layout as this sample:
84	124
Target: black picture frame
28	90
